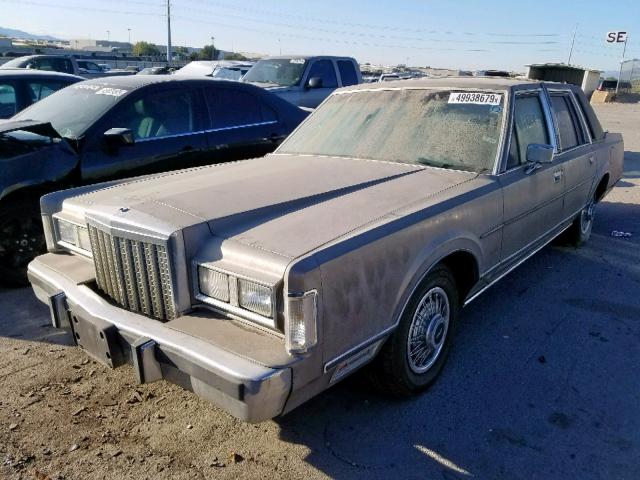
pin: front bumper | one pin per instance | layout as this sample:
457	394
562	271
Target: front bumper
248	390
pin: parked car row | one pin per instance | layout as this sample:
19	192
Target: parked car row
63	64
259	284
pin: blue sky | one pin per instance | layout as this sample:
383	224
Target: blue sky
458	34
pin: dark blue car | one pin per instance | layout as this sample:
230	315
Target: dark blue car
115	128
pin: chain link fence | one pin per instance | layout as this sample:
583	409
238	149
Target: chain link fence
630	76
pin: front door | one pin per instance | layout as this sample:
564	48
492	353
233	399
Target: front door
168	128
325	70
533	197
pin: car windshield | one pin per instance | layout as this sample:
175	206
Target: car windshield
197	68
440	128
228	74
72	110
285	72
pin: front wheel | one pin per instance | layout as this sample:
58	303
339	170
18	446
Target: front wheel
21	240
413	357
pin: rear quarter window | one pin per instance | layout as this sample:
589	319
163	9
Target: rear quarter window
567	122
347	73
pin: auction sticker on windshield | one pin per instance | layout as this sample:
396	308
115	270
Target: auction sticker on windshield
114	92
475	98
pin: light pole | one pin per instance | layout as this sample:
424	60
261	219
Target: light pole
213	49
108	35
169	32
624	51
129	30
573	41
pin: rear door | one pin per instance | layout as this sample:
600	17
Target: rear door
575	151
533	197
168	126
242	124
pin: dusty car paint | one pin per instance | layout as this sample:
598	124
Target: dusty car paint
361	233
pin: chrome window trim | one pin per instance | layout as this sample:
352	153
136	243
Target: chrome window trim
247	125
210	130
581	120
550	128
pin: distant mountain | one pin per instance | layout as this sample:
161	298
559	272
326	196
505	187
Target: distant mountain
10	32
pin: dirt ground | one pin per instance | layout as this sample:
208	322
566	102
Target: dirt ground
542	383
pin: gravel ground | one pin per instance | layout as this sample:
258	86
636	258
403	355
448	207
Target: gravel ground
542	383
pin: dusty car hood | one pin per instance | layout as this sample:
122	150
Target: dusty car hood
283	204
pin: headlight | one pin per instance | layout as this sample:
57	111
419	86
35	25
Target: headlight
72	234
255	298
214	284
238	293
300	324
67	232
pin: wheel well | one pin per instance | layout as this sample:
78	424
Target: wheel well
601	189
464	267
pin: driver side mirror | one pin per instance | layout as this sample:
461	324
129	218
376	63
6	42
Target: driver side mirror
538	153
118	137
314	82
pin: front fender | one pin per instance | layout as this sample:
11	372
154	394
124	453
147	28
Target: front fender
431	255
45	166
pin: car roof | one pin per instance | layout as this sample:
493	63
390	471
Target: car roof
482	83
32	73
307	57
133	82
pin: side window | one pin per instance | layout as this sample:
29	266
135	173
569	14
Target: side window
157	115
529	126
42	89
233	108
44	64
324	70
347	73
8	100
597	133
567	122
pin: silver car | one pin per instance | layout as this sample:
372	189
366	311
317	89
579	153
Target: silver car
258	284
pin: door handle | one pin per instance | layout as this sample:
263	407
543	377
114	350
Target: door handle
591	159
557	176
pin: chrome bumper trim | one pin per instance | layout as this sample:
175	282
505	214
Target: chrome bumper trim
245	389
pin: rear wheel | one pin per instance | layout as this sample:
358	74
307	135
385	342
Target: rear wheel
21	240
580	231
413	357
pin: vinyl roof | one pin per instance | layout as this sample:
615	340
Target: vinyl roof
482	83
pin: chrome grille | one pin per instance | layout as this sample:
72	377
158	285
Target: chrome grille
134	274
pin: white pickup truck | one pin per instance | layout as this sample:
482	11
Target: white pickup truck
304	81
64	64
